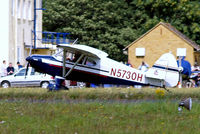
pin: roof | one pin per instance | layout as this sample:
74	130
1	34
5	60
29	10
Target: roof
174	30
90	51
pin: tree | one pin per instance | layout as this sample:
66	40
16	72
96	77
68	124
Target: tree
111	25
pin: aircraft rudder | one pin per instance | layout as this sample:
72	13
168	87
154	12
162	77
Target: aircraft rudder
165	69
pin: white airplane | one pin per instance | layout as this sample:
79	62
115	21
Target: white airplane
86	64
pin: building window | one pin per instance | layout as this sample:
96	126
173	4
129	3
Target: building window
40	4
13	7
140	51
24	9
18	53
29	10
18	9
181	52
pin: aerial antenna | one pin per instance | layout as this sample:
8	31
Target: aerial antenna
75	41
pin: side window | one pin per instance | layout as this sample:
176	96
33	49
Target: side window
90	62
73	57
69	56
21	73
33	71
37	73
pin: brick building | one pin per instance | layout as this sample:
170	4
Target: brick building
161	39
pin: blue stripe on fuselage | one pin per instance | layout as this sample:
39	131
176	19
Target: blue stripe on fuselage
79	75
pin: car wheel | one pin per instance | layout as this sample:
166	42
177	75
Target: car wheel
5	84
45	84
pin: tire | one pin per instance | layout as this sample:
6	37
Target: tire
81	84
5	84
44	84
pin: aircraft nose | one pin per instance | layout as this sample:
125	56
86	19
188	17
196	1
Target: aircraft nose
29	58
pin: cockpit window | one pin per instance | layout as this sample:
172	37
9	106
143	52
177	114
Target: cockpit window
70	56
59	55
90	62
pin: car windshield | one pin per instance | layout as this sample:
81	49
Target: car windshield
21	73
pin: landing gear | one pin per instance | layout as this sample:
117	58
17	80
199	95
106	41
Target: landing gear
58	85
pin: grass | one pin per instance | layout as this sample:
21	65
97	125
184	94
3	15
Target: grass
99	93
152	111
99	118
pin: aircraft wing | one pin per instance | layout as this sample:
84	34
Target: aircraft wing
83	49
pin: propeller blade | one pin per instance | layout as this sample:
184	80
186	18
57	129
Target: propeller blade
27	69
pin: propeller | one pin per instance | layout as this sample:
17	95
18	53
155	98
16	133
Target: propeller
27	69
28	64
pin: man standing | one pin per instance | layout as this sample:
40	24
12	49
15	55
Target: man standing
3	69
143	67
10	69
19	65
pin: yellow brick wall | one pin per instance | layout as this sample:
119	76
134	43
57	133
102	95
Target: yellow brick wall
197	57
42	51
157	42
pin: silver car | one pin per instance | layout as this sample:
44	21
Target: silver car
32	79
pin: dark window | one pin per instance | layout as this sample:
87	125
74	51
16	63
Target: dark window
21	73
90	62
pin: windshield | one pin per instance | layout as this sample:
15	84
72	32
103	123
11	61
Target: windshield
59	55
21	73
70	56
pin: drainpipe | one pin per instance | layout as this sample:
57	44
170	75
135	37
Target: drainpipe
34	25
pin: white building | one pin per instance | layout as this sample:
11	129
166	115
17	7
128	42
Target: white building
16	29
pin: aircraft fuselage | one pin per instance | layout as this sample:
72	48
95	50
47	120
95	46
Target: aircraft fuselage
105	71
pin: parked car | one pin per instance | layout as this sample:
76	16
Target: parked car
32	79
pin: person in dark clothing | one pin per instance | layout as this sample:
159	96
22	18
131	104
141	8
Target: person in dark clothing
19	65
10	69
186	66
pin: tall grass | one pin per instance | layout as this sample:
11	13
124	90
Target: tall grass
99	93
144	111
98	118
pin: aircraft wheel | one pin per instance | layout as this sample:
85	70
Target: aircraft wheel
5	84
44	84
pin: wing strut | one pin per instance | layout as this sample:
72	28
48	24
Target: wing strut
71	69
64	62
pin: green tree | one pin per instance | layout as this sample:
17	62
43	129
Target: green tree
111	25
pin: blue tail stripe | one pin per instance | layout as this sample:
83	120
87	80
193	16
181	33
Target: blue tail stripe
170	69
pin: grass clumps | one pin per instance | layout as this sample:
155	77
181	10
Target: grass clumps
98	117
99	93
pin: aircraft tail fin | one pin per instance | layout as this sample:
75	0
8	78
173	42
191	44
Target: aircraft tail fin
164	72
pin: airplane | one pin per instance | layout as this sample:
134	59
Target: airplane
87	64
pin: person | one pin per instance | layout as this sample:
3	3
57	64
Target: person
19	65
195	76
143	67
10	69
59	84
76	57
195	67
186	68
129	64
3	69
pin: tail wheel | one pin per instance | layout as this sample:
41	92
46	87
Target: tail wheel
44	84
5	84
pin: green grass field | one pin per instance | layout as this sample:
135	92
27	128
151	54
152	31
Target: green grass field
106	111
